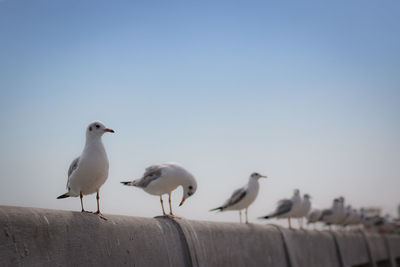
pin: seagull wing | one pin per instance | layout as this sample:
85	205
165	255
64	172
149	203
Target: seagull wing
72	168
325	213
152	173
237	196
284	206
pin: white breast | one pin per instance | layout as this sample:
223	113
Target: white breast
92	171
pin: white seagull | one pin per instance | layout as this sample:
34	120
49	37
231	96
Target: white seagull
330	216
160	179
304	209
313	216
286	208
88	172
243	197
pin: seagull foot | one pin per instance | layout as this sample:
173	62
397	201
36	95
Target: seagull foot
173	216
101	215
85	211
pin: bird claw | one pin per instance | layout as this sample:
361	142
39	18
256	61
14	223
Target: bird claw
172	216
101	215
85	211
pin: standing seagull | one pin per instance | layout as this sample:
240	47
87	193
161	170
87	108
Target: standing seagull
88	172
330	216
162	179
313	216
243	197
305	207
286	208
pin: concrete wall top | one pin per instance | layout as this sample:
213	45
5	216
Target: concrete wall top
353	248
32	237
40	237
311	248
233	244
394	244
378	246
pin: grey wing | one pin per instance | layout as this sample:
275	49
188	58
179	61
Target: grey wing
325	213
152	173
284	206
237	196
72	168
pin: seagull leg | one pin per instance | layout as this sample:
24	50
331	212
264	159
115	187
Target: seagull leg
247	219
81	196
162	206
170	207
240	216
98	207
290	226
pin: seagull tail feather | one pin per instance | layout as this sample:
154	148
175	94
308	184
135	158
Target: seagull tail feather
63	196
219	209
130	183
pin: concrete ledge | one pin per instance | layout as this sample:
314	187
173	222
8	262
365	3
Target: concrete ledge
40	237
353	248
311	248
233	244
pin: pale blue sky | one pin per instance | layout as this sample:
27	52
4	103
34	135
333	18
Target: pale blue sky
303	91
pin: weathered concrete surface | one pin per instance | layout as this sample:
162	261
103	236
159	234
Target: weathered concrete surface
311	248
233	244
39	237
353	248
394	245
378	247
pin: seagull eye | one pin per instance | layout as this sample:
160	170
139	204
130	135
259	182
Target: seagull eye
190	187
90	128
97	126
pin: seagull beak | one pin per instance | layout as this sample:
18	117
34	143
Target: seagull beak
107	130
264	176
183	200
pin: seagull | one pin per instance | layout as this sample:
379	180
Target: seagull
350	216
88	172
305	207
369	221
160	179
330	216
286	208
313	216
243	197
341	212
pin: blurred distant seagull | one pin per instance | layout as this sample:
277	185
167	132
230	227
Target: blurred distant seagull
330	216
162	179
286	208
243	197
88	172
313	216
305	207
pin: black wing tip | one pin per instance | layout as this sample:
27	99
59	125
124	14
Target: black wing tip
218	209
63	196
264	217
126	183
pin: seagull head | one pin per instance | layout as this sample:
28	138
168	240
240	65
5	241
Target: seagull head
97	128
256	175
189	188
307	196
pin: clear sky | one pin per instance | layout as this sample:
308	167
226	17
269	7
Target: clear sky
306	92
